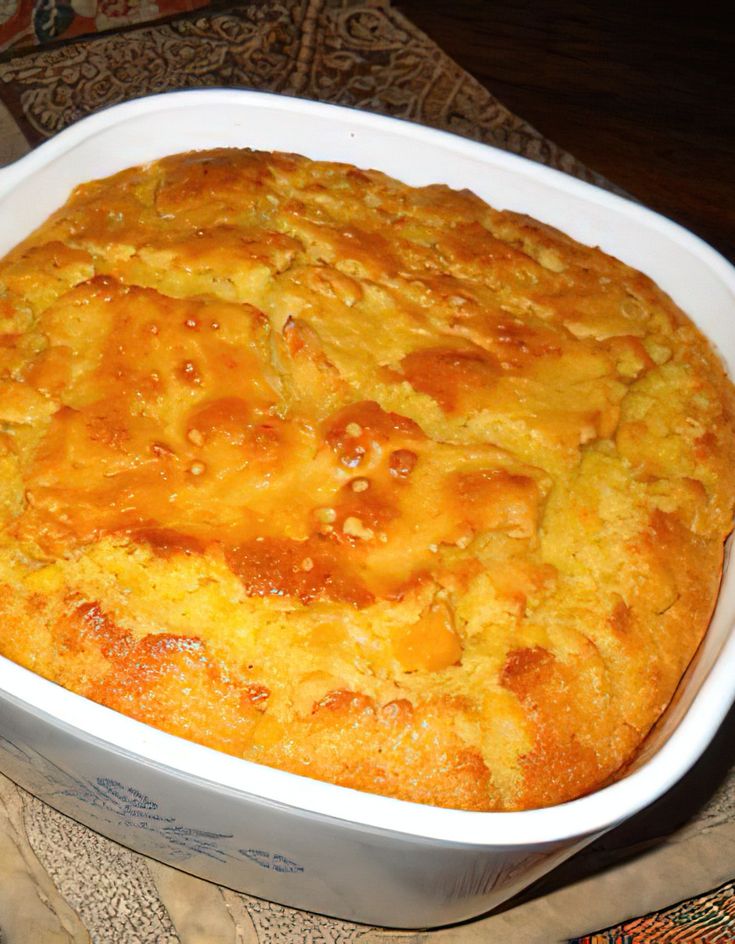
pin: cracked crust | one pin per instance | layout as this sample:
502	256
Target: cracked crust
374	484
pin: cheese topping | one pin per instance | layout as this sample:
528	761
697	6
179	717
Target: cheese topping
371	483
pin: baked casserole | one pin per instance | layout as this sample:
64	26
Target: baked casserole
369	483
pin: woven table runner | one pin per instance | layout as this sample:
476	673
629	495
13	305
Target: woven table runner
59	881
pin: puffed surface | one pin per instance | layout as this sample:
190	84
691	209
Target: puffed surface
373	484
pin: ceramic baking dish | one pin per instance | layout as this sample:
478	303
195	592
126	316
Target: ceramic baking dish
283	837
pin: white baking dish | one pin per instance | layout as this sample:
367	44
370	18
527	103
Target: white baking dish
283	837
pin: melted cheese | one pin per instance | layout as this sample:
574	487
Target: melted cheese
370	483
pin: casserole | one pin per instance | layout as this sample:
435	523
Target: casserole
340	852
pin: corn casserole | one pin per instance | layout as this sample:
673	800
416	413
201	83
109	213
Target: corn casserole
370	483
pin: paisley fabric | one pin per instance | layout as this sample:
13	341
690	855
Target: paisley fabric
8	9
709	918
37	22
359	53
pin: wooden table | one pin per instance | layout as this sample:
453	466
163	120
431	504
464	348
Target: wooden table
645	97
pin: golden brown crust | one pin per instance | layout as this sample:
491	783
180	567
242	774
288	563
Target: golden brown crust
370	483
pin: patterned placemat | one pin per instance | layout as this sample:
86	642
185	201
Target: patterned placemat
60	882
38	22
360	53
708	918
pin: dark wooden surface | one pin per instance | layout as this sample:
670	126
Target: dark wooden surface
644	94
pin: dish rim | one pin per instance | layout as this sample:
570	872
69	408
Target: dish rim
587	815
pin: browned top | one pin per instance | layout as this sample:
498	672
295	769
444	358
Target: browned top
371	483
